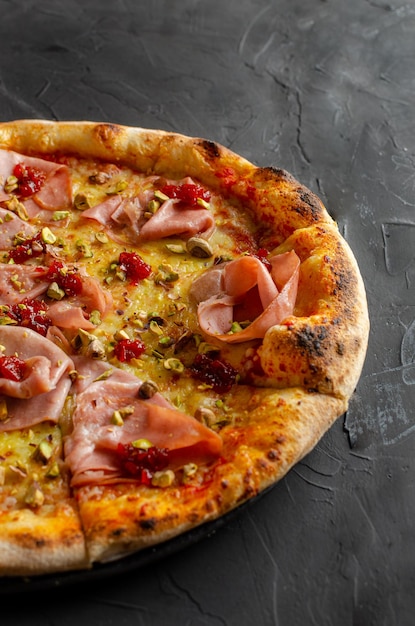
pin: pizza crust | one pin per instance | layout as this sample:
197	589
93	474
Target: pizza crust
32	543
311	362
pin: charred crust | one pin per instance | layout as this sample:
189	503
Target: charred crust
210	149
274	174
311	339
340	348
343	281
148	524
273	455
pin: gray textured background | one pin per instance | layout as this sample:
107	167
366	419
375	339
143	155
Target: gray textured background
326	90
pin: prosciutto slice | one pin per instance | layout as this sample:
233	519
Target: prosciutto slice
41	393
244	290
90	449
54	194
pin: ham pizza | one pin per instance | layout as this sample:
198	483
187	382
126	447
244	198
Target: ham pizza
178	328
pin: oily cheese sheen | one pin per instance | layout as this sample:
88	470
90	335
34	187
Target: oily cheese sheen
178	328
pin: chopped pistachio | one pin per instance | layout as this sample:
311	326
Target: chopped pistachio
121	334
163	478
117	418
157	354
235	328
155	328
175	365
99	178
47	235
44	451
176	248
19	238
199	247
11	184
189	471
17	284
166	274
165	341
119	187
60	215
88	345
55	292
153	206
6	321
95	317
160	195
147	390
81	202
127	410
54	470
203	203
183	341
84	249
101	237
205	416
204	348
34	495
142	444
9	217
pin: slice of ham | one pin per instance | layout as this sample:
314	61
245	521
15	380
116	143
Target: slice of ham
73	311
123	220
10	226
172	219
41	393
243	290
18	282
121	217
56	191
90	448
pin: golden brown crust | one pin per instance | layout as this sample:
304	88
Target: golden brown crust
311	362
31	543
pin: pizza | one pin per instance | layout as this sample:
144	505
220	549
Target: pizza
178	328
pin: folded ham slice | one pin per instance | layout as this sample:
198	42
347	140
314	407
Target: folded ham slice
90	448
55	192
72	311
41	393
123	220
121	217
172	219
19	281
245	291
